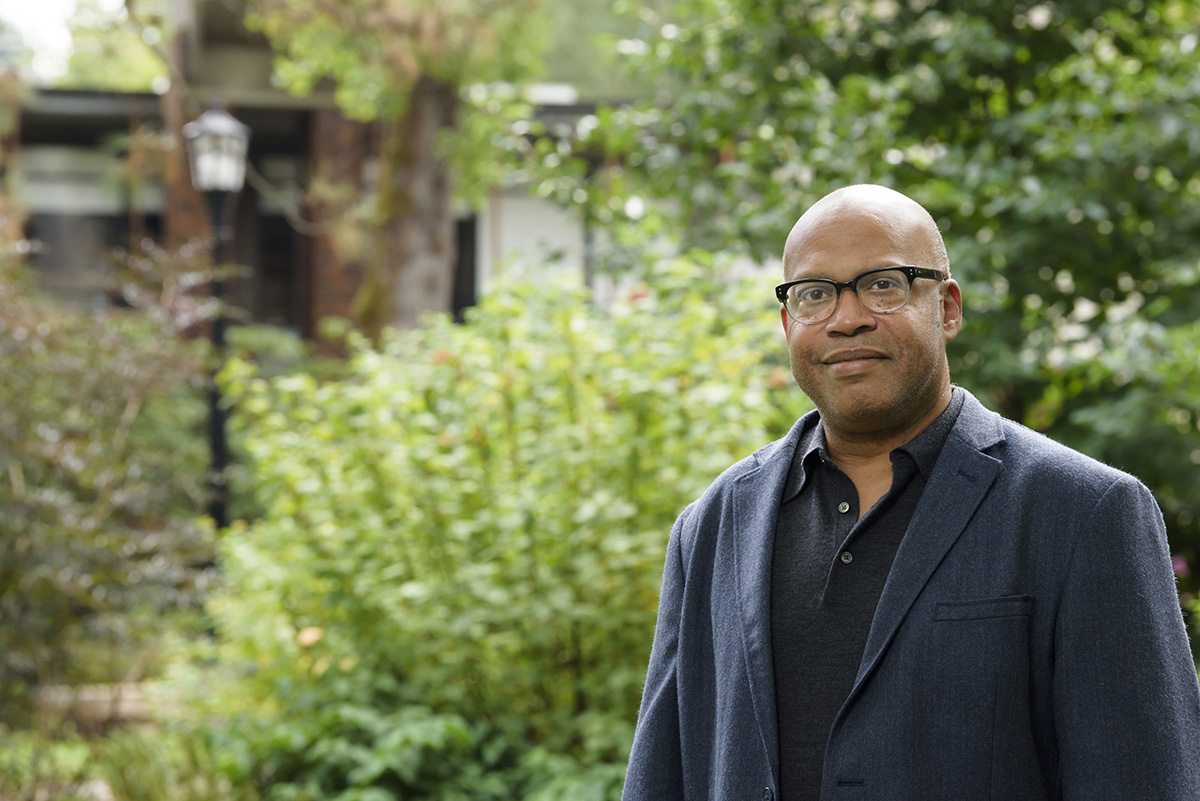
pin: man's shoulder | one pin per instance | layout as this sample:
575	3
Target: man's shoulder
774	458
1035	455
773	454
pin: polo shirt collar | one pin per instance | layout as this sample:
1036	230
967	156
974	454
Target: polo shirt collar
923	449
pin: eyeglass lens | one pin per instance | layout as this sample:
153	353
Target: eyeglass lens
881	291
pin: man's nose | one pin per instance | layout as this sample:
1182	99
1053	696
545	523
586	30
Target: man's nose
849	315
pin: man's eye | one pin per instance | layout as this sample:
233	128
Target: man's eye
813	294
884	284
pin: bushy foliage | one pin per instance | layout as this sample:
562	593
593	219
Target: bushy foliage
114	49
152	765
33	766
124	764
452	590
100	473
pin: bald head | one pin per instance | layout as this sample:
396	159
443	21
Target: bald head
880	209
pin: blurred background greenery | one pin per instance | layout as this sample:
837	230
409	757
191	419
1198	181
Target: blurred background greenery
442	578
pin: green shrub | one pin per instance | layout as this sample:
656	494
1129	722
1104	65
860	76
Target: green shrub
37	765
155	765
101	479
452	590
131	764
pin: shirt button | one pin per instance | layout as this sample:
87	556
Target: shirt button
768	794
843	507
847	557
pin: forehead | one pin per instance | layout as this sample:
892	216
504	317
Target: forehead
841	244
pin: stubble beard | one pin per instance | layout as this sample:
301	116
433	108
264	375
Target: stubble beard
891	412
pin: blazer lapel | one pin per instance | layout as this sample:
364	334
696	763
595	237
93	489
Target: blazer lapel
960	480
756	496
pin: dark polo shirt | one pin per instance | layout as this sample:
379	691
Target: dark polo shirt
827	574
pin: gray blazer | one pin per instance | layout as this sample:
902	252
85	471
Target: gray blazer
1028	643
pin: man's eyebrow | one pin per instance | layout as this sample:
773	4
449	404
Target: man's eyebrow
881	266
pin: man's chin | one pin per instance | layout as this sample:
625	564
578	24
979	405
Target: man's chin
861	411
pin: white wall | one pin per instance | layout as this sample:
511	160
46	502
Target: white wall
527	236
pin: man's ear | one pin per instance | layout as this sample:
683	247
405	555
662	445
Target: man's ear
783	318
951	309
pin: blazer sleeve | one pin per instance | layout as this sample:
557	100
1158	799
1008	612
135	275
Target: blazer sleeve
656	764
1126	701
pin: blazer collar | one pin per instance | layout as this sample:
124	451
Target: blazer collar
961	478
756	497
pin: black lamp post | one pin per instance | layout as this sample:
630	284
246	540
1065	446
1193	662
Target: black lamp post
216	144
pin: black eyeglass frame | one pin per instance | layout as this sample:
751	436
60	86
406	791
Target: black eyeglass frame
913	273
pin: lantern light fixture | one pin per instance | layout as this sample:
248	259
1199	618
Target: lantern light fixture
217	144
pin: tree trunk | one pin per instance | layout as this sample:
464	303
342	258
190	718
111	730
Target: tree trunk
337	150
412	263
185	217
12	221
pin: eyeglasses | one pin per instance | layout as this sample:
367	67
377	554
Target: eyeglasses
886	289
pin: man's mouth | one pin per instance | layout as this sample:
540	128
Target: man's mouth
852	361
852	355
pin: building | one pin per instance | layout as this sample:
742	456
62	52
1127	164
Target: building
92	180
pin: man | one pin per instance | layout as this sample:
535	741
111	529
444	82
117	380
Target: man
909	598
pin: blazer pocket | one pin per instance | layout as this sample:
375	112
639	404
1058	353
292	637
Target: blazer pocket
985	608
